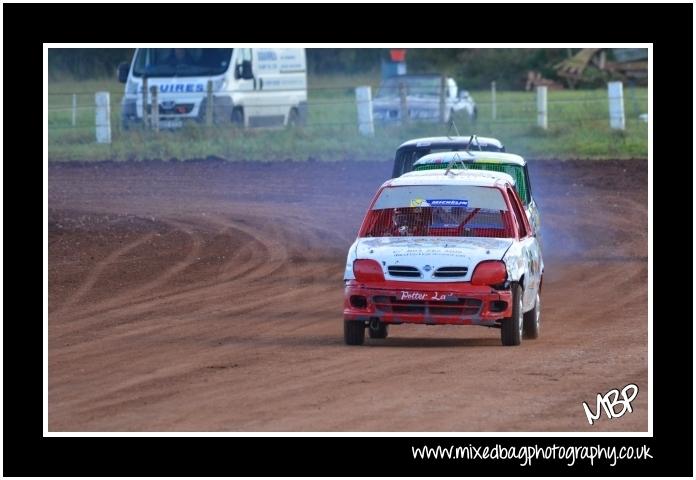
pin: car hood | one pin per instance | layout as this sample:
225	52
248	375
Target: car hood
427	254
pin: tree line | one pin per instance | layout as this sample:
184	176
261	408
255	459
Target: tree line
472	68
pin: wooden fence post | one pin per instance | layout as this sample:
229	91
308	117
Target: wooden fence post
103	117
363	99
154	116
405	117
209	104
145	122
542	107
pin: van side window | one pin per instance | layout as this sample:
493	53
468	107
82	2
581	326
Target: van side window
519	215
245	55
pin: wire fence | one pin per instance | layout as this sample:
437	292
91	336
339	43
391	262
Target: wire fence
332	113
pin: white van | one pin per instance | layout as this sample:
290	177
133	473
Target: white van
253	87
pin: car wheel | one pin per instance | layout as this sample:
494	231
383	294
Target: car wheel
127	124
511	329
293	117
532	320
238	117
353	332
380	332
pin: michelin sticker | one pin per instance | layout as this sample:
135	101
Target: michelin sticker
441	202
438	202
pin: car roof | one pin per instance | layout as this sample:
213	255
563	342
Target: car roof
478	178
460	141
472	156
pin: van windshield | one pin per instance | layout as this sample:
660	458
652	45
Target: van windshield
181	62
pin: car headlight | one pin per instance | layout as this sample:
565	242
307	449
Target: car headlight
220	85
489	272
367	270
131	87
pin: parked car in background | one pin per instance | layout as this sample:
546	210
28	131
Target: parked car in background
444	247
250	86
422	96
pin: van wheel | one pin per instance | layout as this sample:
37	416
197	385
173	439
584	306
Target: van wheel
238	116
293	117
511	329
127	124
532	320
353	332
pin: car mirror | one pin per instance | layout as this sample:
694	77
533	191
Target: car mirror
122	72
243	70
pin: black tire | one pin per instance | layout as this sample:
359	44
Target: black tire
381	332
293	118
511	329
532	320
238	117
128	124
353	332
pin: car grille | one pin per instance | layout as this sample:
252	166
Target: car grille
178	109
451	272
459	307
400	271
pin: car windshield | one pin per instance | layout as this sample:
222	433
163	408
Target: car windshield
515	171
414	86
439	211
181	62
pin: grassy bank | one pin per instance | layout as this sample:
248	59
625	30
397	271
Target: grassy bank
578	128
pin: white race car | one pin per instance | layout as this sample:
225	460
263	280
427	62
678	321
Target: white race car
444	247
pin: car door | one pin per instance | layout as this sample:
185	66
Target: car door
532	209
529	251
243	88
270	101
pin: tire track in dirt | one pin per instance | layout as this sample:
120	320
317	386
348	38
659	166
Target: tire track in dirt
253	341
93	276
163	277
230	272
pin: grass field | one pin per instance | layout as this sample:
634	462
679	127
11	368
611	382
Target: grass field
578	128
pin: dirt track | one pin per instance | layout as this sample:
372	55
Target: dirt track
208	296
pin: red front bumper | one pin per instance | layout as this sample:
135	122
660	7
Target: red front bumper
459	303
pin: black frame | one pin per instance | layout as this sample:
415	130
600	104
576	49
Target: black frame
27	452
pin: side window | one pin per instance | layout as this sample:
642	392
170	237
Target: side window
529	187
245	55
243	68
520	216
